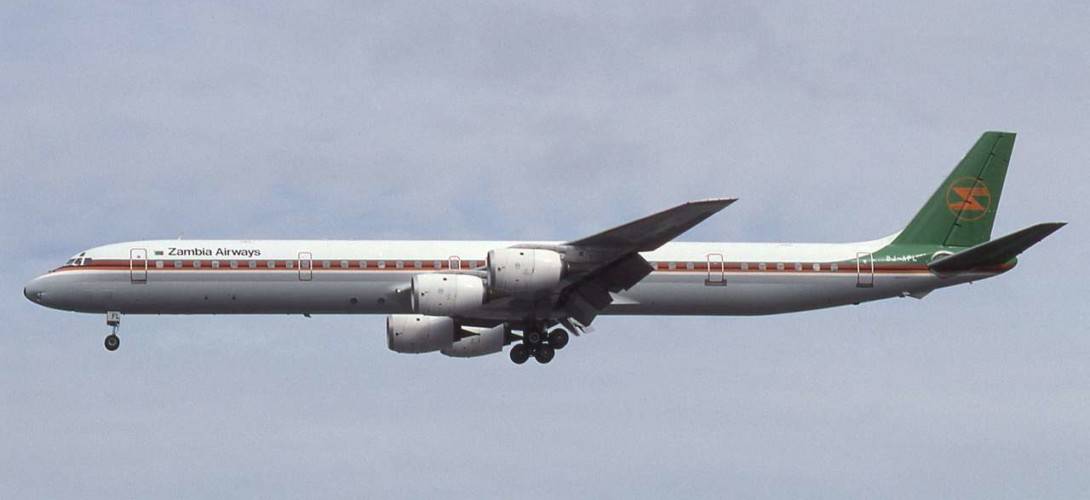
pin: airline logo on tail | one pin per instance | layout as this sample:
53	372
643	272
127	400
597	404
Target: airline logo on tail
969	198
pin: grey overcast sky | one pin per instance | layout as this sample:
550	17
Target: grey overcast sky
543	120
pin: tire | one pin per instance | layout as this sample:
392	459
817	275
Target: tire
520	353
112	342
544	354
532	337
558	339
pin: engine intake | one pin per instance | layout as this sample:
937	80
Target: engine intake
524	271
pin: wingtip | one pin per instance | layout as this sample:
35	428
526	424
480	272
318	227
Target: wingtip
714	201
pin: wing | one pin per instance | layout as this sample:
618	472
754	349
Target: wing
653	231
609	262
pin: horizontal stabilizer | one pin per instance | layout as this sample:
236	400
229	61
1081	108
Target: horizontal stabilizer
997	251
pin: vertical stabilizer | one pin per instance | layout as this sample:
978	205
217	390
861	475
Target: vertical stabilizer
962	211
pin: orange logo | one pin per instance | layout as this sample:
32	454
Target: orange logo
969	198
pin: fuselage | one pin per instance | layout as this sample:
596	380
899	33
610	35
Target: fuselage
373	277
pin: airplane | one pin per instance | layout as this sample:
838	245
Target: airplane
473	298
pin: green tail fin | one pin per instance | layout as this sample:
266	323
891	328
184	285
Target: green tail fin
962	211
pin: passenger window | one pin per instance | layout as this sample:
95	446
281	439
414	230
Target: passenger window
215	264
382	264
158	264
779	266
271	264
438	264
196	264
290	264
798	266
689	266
363	264
344	264
252	264
745	266
762	266
817	267
325	264
177	264
672	266
400	264
234	264
418	264
834	268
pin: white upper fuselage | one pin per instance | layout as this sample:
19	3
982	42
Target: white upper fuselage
373	277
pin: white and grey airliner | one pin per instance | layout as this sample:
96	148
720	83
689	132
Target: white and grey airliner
473	298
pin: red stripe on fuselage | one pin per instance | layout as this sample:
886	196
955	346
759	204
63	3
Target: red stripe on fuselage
411	265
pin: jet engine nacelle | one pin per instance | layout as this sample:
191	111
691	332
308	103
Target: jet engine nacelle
414	333
482	341
524	271
447	294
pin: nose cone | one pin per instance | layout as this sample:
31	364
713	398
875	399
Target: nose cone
33	290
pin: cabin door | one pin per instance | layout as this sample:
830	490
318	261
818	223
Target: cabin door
138	265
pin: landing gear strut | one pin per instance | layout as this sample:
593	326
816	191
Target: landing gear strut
113	320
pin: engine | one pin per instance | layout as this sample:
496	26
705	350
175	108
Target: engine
482	341
447	294
524	271
414	334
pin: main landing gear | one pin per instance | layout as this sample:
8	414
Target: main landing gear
113	320
542	346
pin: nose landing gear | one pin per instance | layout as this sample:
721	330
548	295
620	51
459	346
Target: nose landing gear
113	320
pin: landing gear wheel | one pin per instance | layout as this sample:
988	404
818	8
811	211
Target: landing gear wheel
558	339
544	354
532	337
112	342
520	353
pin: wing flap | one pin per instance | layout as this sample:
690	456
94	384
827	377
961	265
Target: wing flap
625	273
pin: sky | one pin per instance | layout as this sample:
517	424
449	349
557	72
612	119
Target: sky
531	120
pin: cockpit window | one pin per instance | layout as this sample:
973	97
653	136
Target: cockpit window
78	260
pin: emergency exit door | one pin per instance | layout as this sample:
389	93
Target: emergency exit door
306	266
